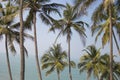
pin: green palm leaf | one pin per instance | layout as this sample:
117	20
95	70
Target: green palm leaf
54	59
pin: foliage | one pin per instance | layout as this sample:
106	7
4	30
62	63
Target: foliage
68	22
93	62
55	58
6	26
90	61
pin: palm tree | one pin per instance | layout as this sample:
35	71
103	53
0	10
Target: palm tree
54	59
90	62
5	20
111	19
93	62
44	9
108	4
105	71
10	30
101	24
66	25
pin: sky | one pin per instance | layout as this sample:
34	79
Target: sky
46	39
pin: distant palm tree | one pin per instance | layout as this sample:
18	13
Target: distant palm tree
54	59
90	61
104	21
107	6
93	62
66	25
101	24
6	18
40	6
105	71
10	30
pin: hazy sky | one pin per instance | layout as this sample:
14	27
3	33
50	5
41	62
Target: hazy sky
45	39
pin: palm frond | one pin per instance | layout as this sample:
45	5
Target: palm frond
81	31
49	71
45	58
59	66
25	50
63	55
43	1
116	42
58	36
3	30
1	9
98	15
81	64
44	17
68	12
73	64
83	5
98	34
7	18
95	28
29	20
53	7
15	26
28	36
46	65
105	38
12	47
57	24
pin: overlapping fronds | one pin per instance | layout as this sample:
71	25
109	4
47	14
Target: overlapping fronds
90	61
54	59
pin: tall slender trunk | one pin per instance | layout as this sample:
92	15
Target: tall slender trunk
22	68
58	74
7	58
88	78
70	74
111	44
36	47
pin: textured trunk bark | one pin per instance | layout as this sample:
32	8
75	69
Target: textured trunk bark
7	58
22	68
111	44
36	48
70	74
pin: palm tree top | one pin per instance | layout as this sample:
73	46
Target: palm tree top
8	13
55	58
55	51
70	21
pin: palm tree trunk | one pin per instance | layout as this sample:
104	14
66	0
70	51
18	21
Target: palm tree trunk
68	37
7	58
111	44
58	73
22	68
36	48
88	76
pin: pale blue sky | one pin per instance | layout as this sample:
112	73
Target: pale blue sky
45	39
